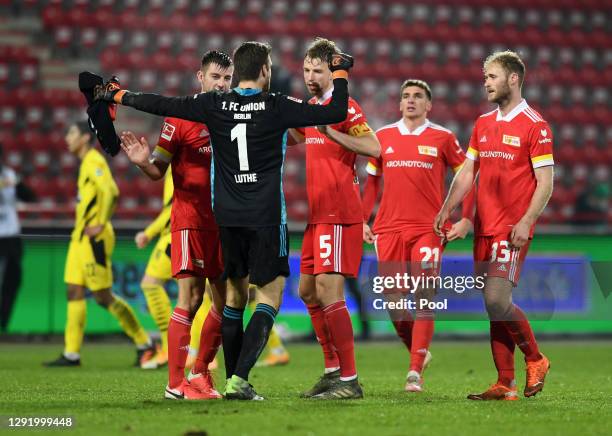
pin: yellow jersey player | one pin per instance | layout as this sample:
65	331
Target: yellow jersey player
158	272
88	264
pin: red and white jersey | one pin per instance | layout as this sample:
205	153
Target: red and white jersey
508	148
414	165
331	180
186	146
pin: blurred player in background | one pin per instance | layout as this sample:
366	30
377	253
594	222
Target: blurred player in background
12	190
195	247
416	154
88	263
513	146
157	273
332	245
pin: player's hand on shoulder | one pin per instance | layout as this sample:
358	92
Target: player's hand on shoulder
136	150
459	230
340	61
141	240
368	235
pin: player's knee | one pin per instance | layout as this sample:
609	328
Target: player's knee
497	308
308	295
104	297
148	281
74	292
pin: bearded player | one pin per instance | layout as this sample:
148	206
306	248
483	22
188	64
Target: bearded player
513	146
416	154
332	245
195	247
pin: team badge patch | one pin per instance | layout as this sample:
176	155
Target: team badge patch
428	151
514	141
167	131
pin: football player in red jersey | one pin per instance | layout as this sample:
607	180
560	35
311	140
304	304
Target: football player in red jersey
332	245
415	156
513	146
195	247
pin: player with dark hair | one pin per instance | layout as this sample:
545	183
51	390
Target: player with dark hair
513	146
248	128
195	245
332	245
416	154
88	263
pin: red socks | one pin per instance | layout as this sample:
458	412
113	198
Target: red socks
502	347
340	327
521	332
178	346
422	333
210	341
320	328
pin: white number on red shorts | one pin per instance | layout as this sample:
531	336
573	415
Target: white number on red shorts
428	253
325	246
504	252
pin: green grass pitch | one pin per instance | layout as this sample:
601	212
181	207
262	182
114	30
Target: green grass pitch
107	396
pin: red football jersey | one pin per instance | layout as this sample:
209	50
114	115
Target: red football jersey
414	166
509	148
332	184
186	146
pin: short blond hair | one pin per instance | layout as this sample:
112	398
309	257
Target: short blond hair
510	61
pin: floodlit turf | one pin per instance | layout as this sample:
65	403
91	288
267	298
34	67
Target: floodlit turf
107	396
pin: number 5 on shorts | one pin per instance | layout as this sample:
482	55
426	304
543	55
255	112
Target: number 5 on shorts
325	246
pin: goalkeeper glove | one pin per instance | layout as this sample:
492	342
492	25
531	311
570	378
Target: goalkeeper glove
340	64
110	91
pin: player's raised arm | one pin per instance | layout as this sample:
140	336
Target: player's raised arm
191	108
294	113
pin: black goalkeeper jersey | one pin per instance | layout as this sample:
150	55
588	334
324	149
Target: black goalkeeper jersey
248	130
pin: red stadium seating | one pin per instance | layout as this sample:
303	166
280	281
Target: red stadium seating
155	45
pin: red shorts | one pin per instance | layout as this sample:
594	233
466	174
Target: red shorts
494	256
329	248
196	253
409	251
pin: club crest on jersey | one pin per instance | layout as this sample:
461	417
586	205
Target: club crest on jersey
514	141
167	131
428	151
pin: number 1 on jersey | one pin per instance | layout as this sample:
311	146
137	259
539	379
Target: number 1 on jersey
239	133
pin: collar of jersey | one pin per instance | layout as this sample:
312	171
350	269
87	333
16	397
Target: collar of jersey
325	96
416	132
247	91
513	113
